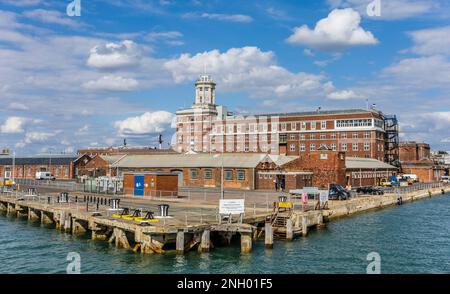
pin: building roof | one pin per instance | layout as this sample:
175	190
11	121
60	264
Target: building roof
230	160
322	112
56	159
110	159
366	163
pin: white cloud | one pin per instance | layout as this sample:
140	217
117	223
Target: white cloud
343	95
17	106
421	72
112	83
390	9
248	69
22	3
52	17
13	125
431	41
147	123
168	37
222	17
114	55
339	30
32	137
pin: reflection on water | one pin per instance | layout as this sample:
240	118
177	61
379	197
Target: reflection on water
413	238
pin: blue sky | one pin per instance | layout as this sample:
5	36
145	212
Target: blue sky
122	68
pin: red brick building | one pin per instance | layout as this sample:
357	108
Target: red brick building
207	127
415	158
256	171
61	166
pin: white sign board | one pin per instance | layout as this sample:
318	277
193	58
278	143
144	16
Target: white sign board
232	206
323	196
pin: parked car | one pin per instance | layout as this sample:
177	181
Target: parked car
445	179
370	190
45	176
337	192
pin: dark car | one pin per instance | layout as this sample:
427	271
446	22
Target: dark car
369	190
337	192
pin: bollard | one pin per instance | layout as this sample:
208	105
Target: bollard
76	198
97	206
268	235
87	206
48	200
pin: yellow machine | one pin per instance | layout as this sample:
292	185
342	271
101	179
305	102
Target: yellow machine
385	183
136	216
7	183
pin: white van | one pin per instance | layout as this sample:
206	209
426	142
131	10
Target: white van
412	177
44	176
445	179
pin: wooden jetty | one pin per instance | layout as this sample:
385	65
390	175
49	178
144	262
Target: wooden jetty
167	233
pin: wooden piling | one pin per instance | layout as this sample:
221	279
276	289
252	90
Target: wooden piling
304	225
32	214
205	242
121	239
289	230
268	236
246	242
180	242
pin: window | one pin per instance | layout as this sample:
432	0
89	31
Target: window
241	175
208	174
303	125
313	125
293	137
283	126
355	135
322	136
366	135
312	147
344	136
228	174
66	172
293	126
333	147
333	136
292	147
323	125
351	123
246	148
355	146
302	147
312	136
283	138
194	173
344	147
30	173
302	137
366	146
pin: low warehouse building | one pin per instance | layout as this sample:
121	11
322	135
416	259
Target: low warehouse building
367	171
60	166
150	184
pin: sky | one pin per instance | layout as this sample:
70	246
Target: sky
119	69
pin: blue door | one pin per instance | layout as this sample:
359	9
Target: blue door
138	185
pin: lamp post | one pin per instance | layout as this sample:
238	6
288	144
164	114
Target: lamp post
14	166
222	192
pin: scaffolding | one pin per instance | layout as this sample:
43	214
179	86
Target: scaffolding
391	140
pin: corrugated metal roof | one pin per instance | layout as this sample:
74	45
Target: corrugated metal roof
110	159
366	163
190	160
38	160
